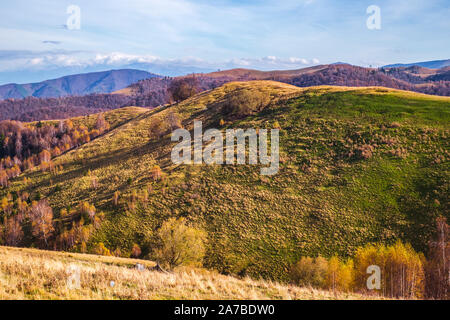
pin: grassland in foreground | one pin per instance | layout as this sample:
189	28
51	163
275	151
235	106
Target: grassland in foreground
38	274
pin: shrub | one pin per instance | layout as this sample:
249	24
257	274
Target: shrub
182	89
86	211
332	274
156	173
180	244
101	250
157	128
309	271
135	251
174	121
117	252
243	103
101	124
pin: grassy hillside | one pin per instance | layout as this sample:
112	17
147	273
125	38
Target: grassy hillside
358	165
37	274
115	118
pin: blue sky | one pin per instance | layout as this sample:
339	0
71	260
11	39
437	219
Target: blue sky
181	36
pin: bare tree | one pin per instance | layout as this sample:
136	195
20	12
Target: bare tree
437	268
174	121
101	124
42	221
13	231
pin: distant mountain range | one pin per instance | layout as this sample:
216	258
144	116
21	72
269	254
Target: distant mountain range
435	64
430	81
153	90
76	85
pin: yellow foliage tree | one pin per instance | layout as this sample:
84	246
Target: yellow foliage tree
180	244
101	250
402	269
309	272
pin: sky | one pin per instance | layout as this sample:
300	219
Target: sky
42	39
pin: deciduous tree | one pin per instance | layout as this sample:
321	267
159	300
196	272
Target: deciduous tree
42	221
180	244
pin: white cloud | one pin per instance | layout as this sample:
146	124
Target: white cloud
123	58
36	61
272	62
53	60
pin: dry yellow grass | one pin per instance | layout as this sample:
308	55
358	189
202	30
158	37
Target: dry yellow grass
114	117
128	91
37	274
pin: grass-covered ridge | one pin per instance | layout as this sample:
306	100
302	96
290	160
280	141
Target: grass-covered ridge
358	165
115	118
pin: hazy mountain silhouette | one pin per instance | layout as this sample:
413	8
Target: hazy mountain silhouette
78	84
435	64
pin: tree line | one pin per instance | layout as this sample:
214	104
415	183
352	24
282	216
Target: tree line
31	222
24	146
403	272
34	109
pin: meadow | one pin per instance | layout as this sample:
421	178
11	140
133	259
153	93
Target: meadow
38	274
357	166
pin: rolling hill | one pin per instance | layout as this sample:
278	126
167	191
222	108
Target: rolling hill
357	165
417	74
78	84
333	74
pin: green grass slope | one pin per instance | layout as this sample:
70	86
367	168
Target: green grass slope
357	165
